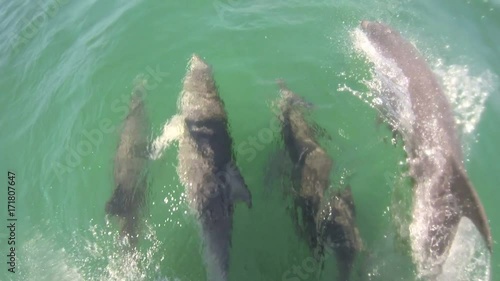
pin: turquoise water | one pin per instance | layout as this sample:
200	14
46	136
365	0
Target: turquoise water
66	75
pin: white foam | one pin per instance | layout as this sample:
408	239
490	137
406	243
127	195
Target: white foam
467	94
171	132
388	88
97	254
103	255
469	259
43	259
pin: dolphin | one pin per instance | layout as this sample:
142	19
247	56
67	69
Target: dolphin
207	164
311	163
443	194
338	231
129	167
328	221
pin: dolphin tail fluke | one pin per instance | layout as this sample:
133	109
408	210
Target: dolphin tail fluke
239	189
469	202
171	132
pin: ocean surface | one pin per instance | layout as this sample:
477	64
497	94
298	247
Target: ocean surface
67	69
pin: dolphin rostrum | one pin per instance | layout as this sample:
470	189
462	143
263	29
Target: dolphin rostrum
443	194
328	219
207	165
129	167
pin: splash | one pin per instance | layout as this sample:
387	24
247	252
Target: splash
467	95
44	260
388	89
465	261
399	212
95	254
177	205
105	256
171	132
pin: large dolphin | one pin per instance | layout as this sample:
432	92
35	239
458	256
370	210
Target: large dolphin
443	194
207	165
328	219
129	167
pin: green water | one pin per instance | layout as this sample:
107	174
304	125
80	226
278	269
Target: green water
67	73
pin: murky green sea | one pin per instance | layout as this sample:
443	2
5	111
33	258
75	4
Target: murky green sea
66	72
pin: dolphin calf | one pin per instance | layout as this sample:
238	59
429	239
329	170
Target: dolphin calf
311	163
338	231
207	165
129	167
328	221
443	194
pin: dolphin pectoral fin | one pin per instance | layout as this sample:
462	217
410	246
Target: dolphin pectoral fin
469	202
239	189
320	131
171	132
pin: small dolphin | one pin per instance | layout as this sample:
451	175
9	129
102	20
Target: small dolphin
129	170
312	165
443	194
327	221
338	231
207	165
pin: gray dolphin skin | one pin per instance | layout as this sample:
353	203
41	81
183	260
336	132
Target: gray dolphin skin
312	165
129	167
207	165
338	231
328	221
443	194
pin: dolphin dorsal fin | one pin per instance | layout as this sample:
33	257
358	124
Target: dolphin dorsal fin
239	189
469	202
